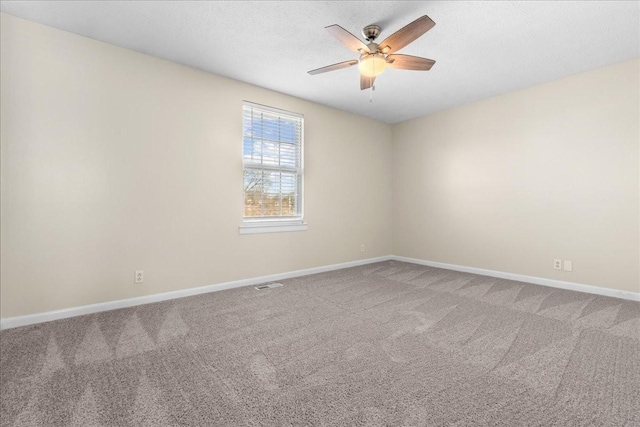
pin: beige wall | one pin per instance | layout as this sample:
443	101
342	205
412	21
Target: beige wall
512	182
114	161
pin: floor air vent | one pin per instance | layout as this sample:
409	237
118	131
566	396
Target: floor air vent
269	286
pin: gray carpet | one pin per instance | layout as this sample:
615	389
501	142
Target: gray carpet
390	343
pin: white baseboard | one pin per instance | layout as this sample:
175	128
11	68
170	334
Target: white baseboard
14	322
633	296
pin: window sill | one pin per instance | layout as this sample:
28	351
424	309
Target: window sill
271	228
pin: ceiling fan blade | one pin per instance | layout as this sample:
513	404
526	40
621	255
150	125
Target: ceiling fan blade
346	38
366	82
338	66
406	34
408	62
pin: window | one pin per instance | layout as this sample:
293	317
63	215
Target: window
273	175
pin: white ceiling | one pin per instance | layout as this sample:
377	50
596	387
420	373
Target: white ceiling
482	48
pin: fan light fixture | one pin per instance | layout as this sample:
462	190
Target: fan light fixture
372	65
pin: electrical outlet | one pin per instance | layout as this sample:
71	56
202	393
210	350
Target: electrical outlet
362	248
139	277
568	265
557	264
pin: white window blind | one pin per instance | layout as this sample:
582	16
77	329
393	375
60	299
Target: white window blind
272	146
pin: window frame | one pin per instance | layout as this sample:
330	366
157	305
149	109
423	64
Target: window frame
270	224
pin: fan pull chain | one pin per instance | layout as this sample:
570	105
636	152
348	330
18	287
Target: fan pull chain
371	94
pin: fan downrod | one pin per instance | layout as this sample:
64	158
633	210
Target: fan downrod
371	32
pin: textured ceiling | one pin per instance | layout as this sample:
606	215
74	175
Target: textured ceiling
482	48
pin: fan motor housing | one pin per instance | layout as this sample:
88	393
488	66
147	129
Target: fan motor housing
371	32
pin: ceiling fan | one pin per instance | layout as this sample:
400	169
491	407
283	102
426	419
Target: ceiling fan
375	57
